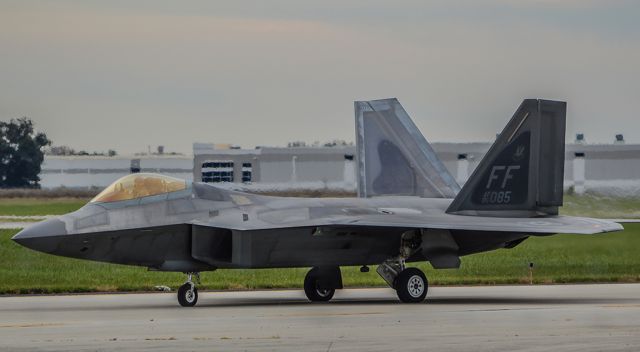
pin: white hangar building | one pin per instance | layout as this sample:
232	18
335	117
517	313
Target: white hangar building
603	168
87	171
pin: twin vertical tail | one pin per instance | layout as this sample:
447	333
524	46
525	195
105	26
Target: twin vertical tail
393	156
522	174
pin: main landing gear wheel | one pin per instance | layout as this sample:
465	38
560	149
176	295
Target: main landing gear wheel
411	285
188	293
314	292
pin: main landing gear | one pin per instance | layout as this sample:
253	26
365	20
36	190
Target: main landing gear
411	284
321	283
188	293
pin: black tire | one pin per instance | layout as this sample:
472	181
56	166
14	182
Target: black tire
315	294
185	298
411	285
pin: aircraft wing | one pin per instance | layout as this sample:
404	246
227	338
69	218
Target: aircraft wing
303	218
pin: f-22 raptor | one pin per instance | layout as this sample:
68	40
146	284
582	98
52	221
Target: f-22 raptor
409	209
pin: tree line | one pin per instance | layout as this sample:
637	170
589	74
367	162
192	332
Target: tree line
21	153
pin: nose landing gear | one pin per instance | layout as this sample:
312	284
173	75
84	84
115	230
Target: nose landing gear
188	293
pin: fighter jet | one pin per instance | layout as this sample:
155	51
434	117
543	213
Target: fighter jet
409	209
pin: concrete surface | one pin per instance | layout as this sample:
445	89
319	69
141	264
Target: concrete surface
21	221
602	317
14	225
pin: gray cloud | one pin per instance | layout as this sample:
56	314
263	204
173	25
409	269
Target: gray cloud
100	75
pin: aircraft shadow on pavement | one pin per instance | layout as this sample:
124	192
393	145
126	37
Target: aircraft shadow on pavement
212	302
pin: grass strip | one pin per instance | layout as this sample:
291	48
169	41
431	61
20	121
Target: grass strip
39	206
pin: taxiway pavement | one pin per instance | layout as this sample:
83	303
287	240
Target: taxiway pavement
600	317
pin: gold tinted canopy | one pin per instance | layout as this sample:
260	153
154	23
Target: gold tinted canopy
139	185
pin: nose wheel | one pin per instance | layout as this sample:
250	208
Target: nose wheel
188	293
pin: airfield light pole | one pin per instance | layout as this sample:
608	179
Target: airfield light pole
530	273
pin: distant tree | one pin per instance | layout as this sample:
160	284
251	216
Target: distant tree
21	153
63	150
60	150
337	143
296	144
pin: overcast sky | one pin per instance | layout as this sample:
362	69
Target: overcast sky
126	74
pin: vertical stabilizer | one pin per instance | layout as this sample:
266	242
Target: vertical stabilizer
393	156
523	171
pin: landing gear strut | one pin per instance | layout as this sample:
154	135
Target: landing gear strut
188	293
411	284
320	284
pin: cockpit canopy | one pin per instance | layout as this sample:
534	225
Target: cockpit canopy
139	185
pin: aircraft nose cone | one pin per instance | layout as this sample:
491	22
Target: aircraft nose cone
41	236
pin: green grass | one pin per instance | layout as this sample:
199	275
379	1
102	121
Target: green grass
39	206
558	259
601	207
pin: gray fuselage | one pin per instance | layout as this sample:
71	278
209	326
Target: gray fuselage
205	227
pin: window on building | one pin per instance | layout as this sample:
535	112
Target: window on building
247	171
217	171
135	166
